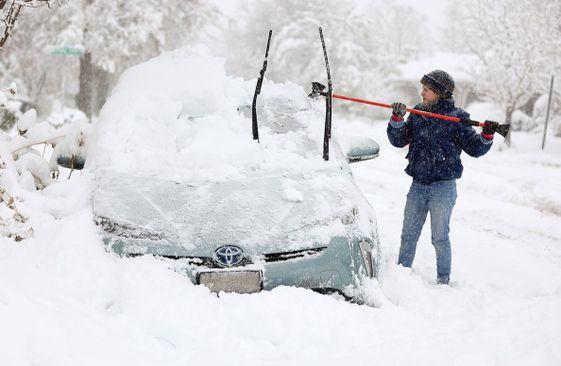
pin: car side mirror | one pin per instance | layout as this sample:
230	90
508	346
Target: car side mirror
75	162
361	149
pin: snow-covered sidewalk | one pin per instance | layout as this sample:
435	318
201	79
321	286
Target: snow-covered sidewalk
503	305
65	301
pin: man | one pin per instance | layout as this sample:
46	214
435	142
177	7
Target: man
434	163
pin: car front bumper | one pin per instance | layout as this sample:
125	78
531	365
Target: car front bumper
326	269
331	268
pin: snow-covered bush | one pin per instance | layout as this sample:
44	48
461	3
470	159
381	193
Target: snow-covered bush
522	122
539	109
73	148
539	112
69	141
10	110
61	116
23	167
12	223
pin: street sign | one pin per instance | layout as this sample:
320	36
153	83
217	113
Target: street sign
64	51
67	51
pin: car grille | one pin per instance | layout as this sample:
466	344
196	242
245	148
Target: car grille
286	256
208	262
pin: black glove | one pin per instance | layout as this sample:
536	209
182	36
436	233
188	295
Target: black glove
490	127
399	109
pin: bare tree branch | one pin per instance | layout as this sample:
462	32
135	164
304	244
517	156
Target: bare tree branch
14	11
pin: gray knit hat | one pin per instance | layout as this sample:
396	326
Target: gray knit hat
440	82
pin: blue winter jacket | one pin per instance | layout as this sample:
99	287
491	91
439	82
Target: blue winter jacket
435	145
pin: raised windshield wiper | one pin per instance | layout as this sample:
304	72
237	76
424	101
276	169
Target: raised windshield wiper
318	90
328	101
254	126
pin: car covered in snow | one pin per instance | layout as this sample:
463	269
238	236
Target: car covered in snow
178	176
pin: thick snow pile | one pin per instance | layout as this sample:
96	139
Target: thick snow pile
179	117
65	301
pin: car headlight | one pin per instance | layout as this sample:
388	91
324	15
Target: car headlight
366	257
126	230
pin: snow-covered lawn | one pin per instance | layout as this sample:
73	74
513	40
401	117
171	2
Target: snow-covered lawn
65	301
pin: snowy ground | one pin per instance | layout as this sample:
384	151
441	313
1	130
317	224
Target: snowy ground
65	301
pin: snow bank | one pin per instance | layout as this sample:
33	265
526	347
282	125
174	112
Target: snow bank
65	301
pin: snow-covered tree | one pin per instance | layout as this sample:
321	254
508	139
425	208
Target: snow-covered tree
113	36
361	41
117	34
406	33
16	67
25	60
13	11
518	44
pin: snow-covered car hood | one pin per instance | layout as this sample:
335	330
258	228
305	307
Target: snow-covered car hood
262	215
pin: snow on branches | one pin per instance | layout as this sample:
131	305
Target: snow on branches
517	43
23	166
12	223
14	11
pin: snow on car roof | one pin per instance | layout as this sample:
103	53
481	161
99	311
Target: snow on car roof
179	116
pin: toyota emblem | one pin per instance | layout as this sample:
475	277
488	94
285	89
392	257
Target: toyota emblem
228	256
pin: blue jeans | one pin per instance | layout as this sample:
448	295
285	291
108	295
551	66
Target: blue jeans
437	198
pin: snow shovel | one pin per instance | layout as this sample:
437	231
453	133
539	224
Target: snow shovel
318	90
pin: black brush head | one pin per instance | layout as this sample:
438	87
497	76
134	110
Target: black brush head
317	90
503	130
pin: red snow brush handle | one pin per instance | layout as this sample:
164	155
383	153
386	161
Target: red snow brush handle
410	110
318	90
